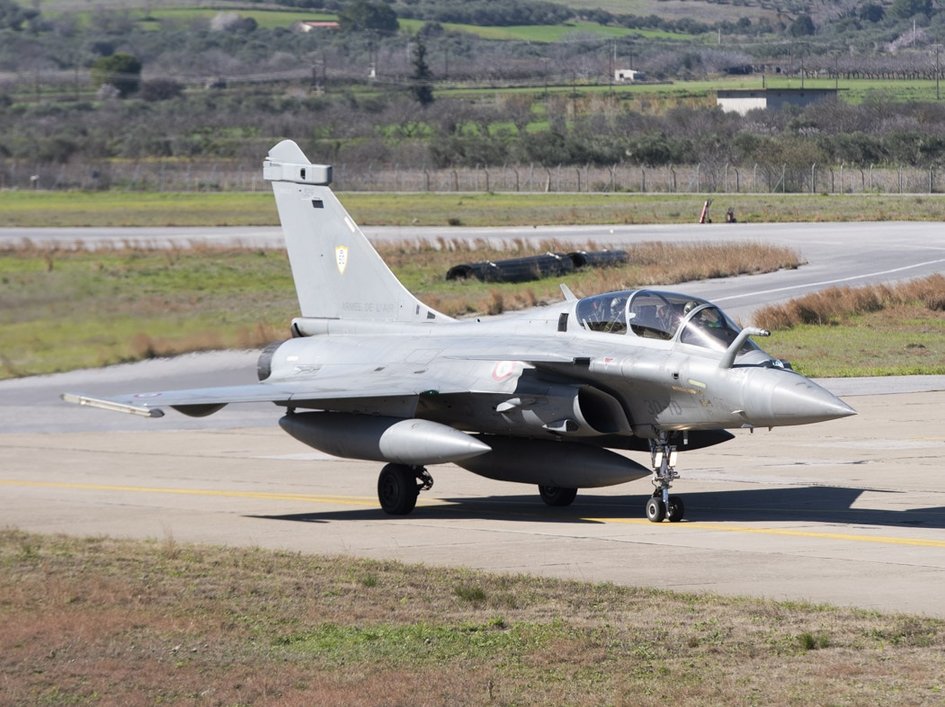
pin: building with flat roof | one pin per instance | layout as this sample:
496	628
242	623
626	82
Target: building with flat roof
742	100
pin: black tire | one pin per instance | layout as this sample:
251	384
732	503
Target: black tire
655	510
676	509
557	495
397	489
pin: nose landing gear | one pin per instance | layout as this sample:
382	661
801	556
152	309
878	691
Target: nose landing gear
662	505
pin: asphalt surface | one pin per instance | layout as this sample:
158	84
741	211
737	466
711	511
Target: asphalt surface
849	512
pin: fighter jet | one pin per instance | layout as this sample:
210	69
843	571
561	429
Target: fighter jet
542	397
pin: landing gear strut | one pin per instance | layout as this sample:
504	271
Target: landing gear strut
398	486
662	505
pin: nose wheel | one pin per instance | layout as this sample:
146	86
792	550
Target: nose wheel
661	505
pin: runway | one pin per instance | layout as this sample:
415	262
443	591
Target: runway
850	512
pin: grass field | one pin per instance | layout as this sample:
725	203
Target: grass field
96	620
536	33
113	208
896	329
135	303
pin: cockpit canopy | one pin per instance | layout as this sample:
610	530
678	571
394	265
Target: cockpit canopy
655	314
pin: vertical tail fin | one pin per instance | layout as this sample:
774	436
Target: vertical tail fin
337	272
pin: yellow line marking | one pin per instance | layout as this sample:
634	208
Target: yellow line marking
265	495
723	527
371	502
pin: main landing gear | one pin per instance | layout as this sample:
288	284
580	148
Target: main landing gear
661	505
557	495
398	486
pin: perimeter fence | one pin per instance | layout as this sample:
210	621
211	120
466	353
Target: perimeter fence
224	175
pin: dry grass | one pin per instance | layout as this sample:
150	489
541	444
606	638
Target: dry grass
87	621
422	265
839	304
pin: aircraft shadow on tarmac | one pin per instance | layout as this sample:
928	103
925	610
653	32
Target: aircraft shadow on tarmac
817	504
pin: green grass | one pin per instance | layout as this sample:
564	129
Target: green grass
122	306
161	622
907	342
267	19
702	92
113	208
543	33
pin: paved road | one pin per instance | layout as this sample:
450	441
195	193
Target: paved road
850	511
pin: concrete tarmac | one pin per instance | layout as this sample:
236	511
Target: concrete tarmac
849	512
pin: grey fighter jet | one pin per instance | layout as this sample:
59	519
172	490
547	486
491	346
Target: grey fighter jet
541	397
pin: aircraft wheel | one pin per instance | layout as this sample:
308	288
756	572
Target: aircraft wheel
557	495
655	510
397	489
676	509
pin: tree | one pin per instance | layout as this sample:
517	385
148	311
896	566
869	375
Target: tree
121	70
421	80
872	12
803	26
13	16
904	9
363	15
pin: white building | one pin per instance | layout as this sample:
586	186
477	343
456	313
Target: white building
628	75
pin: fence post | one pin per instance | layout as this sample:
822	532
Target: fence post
812	176
643	180
737	180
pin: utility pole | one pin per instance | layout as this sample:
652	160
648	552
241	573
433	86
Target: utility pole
938	92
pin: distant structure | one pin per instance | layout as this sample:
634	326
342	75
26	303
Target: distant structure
312	25
628	75
741	101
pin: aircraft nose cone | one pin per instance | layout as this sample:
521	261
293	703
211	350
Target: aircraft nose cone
799	401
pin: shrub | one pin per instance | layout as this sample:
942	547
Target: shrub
121	70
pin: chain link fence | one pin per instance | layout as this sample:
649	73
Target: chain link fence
224	175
